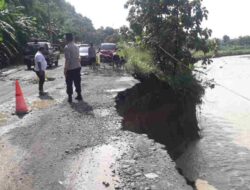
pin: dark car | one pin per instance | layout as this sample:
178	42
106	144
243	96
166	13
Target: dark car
84	55
52	54
107	51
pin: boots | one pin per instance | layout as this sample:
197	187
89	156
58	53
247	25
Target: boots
79	97
70	99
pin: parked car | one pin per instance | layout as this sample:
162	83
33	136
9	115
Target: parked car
84	55
82	45
52	54
107	51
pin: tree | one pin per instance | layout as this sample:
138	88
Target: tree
15	26
23	20
172	29
126	33
244	40
226	39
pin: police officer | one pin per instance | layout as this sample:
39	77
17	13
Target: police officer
72	69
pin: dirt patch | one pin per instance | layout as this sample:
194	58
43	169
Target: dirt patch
203	185
3	118
43	104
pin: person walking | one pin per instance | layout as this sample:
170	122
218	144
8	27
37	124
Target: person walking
92	56
40	67
72	69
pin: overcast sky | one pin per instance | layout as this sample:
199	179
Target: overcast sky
229	17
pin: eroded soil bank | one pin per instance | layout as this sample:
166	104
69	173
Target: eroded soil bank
153	108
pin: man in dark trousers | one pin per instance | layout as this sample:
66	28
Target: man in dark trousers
72	69
40	67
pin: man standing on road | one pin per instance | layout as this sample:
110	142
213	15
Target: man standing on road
72	69
40	67
92	56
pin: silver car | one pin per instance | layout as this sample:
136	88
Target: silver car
84	55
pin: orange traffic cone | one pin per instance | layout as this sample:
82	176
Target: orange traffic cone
21	107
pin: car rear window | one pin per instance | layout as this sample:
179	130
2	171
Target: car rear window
32	48
108	46
83	49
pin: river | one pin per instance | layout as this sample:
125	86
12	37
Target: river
221	157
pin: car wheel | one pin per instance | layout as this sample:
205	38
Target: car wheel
49	63
28	66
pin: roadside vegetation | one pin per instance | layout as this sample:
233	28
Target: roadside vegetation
169	40
226	47
166	35
24	20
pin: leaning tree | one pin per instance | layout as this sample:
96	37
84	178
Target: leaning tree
172	29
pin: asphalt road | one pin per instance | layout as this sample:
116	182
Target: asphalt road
78	146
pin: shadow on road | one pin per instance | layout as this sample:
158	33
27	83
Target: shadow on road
82	107
47	96
53	67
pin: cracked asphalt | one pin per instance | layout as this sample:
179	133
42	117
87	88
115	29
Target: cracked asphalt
78	146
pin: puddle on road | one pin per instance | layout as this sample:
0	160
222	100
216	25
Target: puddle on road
42	104
203	185
3	118
8	72
50	79
125	79
116	90
95	168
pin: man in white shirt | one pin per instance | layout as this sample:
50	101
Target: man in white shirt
40	67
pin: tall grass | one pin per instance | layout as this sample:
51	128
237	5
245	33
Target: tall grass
139	60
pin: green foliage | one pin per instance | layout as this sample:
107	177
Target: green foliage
23	20
236	43
2	4
171	26
107	34
226	47
126	34
171	30
139	60
15	28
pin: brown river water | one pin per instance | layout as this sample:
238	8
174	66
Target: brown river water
221	158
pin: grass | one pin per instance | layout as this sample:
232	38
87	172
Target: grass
138	61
